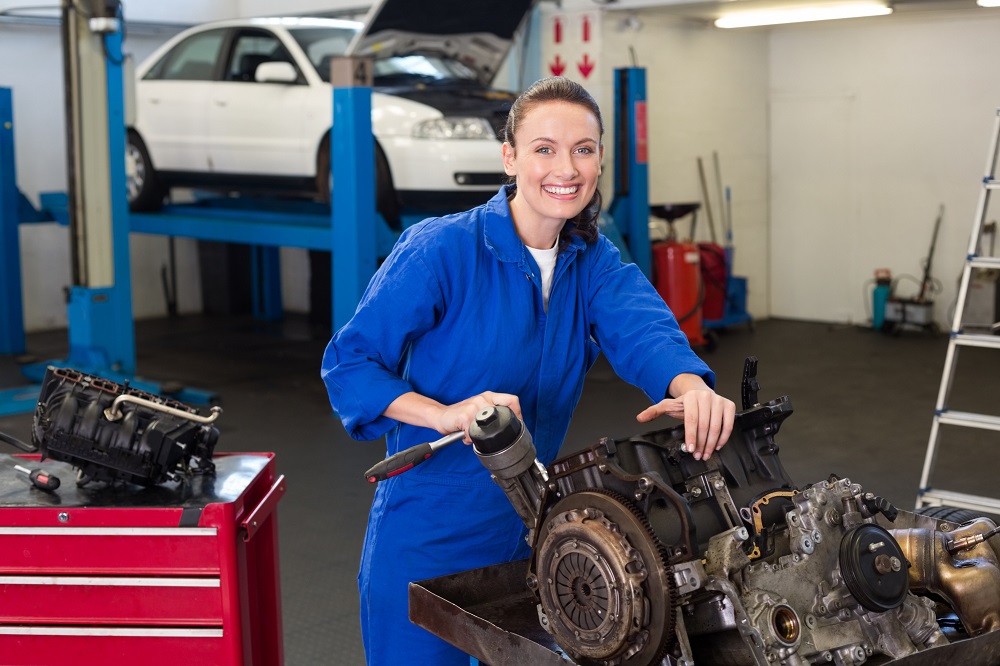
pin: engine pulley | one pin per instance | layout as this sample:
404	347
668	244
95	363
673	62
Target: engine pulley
874	568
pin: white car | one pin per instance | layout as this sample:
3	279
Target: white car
246	106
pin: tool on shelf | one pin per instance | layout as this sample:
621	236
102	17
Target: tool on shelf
40	478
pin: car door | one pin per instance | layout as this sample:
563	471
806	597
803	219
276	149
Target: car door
255	127
172	103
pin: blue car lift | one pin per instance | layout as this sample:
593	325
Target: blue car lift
630	206
100	320
101	331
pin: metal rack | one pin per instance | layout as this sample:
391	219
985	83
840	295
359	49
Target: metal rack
928	495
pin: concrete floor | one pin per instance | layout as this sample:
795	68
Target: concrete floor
863	405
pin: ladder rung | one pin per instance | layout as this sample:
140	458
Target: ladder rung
984	262
968	340
969	420
932	497
991	184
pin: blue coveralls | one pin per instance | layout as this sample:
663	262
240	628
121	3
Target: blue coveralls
455	310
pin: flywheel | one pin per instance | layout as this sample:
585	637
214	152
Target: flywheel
603	582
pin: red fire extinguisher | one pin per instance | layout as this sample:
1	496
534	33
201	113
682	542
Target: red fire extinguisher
677	278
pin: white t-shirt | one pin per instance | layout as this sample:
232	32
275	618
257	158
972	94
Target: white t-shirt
546	260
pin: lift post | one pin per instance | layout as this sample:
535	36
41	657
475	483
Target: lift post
11	313
101	329
630	205
352	157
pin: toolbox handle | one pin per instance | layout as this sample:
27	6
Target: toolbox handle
264	509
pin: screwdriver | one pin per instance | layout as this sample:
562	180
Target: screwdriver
40	478
409	458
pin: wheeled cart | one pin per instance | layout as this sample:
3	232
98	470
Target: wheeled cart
178	573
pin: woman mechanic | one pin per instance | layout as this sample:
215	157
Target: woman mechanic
507	304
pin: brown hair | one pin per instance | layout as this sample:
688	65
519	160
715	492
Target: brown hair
560	89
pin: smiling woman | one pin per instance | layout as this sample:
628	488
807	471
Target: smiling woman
509	303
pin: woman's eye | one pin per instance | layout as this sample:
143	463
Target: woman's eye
586	150
544	149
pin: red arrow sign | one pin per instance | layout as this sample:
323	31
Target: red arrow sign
585	67
586	28
558	67
557	29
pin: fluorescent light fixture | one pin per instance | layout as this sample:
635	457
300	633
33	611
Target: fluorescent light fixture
988	3
803	13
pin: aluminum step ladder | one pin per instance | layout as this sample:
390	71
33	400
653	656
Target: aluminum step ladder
928	495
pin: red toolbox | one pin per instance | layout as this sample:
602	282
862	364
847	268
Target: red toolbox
178	574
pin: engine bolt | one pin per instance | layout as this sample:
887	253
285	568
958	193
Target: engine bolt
696	492
895	564
883	564
718	484
875	546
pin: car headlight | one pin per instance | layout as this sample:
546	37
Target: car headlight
454	127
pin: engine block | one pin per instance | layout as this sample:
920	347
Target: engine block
642	555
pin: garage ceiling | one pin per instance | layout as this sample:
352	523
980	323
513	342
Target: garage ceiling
711	10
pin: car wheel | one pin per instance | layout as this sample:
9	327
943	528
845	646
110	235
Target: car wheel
950	514
145	193
386	201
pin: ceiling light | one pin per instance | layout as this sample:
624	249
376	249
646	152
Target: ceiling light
988	3
801	14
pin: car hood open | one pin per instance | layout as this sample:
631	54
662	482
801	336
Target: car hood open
478	34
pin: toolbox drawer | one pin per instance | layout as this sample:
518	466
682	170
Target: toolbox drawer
49	646
110	550
107	600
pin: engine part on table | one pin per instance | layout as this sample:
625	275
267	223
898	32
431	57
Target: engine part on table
114	432
643	556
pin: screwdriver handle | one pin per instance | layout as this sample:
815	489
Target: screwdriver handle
40	478
409	458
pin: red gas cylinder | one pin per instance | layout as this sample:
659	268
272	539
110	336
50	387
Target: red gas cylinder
677	278
713	276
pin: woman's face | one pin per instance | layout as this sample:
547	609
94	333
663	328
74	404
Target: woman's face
556	163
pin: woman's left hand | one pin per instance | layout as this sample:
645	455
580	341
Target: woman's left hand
708	419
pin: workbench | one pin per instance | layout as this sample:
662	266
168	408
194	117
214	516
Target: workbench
183	572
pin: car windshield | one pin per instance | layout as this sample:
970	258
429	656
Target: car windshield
323	44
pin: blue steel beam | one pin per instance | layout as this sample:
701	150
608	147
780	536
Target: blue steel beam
630	208
354	243
11	306
310	231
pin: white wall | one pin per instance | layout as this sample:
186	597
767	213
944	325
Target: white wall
706	91
839	141
874	124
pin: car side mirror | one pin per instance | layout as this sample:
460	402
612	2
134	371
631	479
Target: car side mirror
275	72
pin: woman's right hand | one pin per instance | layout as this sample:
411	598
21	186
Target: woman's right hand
460	415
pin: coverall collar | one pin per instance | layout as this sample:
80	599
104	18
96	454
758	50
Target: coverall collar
501	236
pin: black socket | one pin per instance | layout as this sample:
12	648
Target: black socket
495	429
